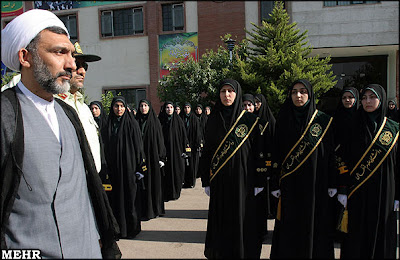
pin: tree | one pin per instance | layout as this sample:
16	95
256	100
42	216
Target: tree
278	55
197	81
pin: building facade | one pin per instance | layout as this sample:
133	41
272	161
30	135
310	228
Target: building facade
134	38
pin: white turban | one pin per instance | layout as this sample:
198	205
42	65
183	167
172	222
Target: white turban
20	32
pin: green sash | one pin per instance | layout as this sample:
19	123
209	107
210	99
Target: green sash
371	160
305	146
231	143
308	142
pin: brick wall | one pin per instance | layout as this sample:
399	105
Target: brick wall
217	18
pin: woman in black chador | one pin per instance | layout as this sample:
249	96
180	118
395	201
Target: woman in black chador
194	135
123	149
154	149
228	174
304	177
98	113
177	147
371	195
393	111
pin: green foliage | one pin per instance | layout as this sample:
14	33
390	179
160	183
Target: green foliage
275	55
279	55
106	101
196	82
7	78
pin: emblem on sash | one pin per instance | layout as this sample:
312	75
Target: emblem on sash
316	129
386	138
241	130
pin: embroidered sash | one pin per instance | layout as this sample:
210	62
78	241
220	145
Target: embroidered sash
371	160
308	142
232	141
304	147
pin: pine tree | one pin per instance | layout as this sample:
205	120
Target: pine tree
278	55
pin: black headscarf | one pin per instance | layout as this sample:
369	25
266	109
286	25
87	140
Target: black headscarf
123	148
370	122
265	112
249	97
154	149
232	112
295	119
344	119
394	113
101	120
176	141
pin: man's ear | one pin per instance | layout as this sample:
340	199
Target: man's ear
25	58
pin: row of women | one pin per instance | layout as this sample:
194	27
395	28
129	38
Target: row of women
326	173
147	160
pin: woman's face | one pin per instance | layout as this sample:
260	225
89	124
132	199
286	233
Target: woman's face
144	108
258	104
178	110
247	105
95	110
391	105
169	109
348	99
199	111
227	95
119	108
369	101
299	95
208	111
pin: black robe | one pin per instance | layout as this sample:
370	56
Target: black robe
194	135
267	203
125	157
154	149
393	113
102	119
342	125
231	226
303	230
176	142
371	218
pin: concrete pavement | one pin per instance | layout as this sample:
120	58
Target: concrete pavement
181	232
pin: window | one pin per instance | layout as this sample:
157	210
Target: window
172	15
70	22
266	9
132	96
339	3
121	22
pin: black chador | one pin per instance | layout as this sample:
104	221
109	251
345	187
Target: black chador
372	184
101	120
394	113
303	151
194	135
228	170
123	149
177	147
267	203
154	149
203	121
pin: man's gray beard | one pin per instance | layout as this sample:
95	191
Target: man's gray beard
43	76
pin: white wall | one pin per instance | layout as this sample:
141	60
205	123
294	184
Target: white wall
124	61
191	16
352	25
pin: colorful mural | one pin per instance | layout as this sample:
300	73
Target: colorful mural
174	48
11	8
64	5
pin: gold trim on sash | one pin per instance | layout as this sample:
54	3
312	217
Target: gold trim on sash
312	150
226	136
265	127
237	148
379	164
372	143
